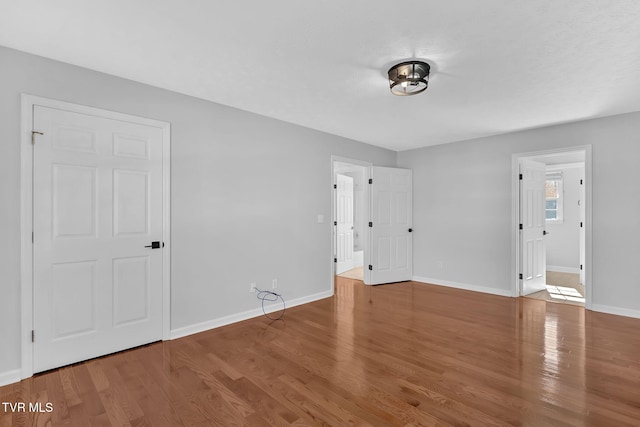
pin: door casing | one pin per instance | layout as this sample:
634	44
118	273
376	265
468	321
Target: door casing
26	213
516	286
367	166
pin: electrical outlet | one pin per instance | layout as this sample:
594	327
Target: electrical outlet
253	288
441	264
274	284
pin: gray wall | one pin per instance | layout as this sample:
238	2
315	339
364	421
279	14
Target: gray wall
563	241
246	191
462	206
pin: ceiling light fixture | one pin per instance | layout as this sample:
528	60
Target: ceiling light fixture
409	78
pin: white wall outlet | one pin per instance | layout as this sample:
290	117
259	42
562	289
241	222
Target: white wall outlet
441	264
253	288
274	284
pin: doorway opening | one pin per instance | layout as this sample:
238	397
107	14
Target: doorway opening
374	208
351	198
552	219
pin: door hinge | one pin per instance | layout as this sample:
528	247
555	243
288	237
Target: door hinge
520	276
370	180
580	266
335	222
370	224
33	136
580	224
580	182
520	226
520	177
32	238
33	336
335	186
335	260
370	267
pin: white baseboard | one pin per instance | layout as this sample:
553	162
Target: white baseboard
238	317
465	286
9	377
559	269
618	311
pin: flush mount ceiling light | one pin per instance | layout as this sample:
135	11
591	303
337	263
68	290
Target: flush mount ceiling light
409	78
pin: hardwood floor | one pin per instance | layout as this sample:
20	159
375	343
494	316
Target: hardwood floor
562	288
355	273
404	354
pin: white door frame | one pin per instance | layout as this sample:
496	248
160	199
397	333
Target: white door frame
367	166
26	213
515	217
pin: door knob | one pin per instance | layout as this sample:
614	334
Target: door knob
155	245
410	230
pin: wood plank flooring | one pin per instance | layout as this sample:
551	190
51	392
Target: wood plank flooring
355	273
404	354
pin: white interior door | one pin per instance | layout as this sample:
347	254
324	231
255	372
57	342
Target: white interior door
532	217
344	219
582	202
97	202
391	221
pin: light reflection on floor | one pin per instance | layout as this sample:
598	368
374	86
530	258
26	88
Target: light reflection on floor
564	293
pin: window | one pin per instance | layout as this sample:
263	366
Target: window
553	197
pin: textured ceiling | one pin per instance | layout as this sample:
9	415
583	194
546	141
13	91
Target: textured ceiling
497	66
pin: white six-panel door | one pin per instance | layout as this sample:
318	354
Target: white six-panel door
344	227
532	217
391	240
97	202
583	220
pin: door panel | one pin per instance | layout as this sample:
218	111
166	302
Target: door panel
130	202
97	202
74	201
73	305
391	217
532	217
130	290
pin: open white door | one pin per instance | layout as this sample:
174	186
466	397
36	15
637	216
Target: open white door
391	242
97	206
532	221
344	226
582	202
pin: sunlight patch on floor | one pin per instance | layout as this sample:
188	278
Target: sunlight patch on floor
564	293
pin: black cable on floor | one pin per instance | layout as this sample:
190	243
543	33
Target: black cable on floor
271	297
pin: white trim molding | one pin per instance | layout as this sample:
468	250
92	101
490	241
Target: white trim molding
464	286
560	269
245	315
10	377
618	311
26	213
